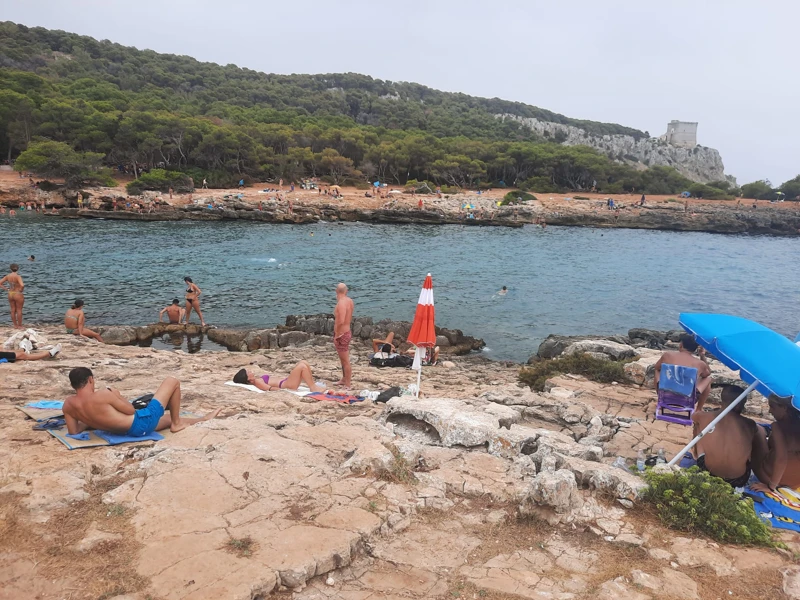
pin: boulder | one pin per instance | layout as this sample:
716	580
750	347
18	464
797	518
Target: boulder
615	350
648	338
554	345
119	336
232	339
293	338
558	490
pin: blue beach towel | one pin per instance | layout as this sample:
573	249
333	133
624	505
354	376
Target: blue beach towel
52	404
678	379
780	508
114	439
83	436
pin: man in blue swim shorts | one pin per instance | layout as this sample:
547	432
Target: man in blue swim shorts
109	411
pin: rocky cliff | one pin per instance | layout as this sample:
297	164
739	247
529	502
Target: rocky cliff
698	164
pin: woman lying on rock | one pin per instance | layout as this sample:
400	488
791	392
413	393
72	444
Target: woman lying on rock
301	373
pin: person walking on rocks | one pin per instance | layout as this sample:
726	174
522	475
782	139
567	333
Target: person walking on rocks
193	300
343	315
16	297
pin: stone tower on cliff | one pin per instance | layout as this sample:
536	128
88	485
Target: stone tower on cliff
682	134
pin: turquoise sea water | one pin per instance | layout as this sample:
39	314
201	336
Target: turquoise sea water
561	280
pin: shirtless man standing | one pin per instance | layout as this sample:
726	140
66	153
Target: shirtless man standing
781	465
727	450
174	311
686	358
109	411
343	314
16	299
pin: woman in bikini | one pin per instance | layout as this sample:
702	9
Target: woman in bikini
301	373
16	298
74	322
192	300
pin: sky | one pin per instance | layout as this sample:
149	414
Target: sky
731	65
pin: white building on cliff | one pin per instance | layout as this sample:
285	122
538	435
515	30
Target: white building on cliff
682	134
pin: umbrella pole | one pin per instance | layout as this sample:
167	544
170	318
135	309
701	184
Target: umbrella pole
710	426
419	379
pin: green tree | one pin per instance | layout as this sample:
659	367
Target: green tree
56	159
758	190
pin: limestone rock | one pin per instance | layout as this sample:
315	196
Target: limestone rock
554	345
95	537
558	490
121	336
791	582
619	588
614	350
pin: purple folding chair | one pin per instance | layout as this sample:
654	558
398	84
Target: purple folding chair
677	394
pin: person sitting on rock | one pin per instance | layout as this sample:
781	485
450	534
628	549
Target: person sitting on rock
301	373
109	411
780	465
174	311
15	355
75	321
685	357
726	452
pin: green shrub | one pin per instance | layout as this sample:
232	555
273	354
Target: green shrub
516	198
596	369
694	500
580	198
701	190
160	180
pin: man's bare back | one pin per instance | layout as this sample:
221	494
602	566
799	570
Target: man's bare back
728	447
105	410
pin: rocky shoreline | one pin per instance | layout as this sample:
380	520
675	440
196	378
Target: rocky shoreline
298	331
481	485
762	221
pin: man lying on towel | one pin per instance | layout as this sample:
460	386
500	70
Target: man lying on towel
109	411
781	464
300	374
726	451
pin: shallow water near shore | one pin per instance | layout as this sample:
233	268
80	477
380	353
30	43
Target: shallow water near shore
561	280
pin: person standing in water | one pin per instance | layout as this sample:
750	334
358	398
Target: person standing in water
75	320
343	315
503	291
16	298
192	300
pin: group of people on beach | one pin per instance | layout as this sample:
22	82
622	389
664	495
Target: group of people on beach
738	447
75	318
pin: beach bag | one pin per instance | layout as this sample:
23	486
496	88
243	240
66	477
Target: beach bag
387	395
142	401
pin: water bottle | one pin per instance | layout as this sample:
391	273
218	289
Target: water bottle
640	460
662	459
620	463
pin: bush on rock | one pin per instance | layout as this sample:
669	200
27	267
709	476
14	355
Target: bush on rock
694	500
596	369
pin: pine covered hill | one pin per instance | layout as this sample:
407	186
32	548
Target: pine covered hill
145	110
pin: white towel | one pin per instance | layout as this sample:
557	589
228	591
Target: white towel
301	391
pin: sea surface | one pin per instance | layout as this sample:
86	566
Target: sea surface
561	280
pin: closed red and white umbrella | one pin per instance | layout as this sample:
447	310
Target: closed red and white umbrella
423	329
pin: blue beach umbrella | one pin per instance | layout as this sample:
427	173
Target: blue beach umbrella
766	360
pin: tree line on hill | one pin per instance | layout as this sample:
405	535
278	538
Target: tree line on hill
79	108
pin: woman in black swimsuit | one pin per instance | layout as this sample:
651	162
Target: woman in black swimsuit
192	294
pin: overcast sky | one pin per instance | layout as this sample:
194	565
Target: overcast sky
731	65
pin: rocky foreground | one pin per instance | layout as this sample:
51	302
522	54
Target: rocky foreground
479	489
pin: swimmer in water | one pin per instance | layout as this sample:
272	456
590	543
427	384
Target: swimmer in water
16	299
503	291
31	258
